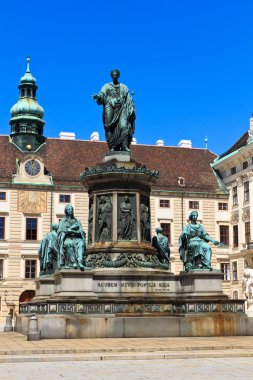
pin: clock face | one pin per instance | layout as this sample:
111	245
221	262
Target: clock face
32	167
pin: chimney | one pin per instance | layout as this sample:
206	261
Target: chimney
94	136
67	135
134	141
185	144
160	143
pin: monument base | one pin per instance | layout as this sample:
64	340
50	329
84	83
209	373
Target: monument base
108	326
121	302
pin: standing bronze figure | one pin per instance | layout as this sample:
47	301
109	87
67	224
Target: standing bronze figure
118	113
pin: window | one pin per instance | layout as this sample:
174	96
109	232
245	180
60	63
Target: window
234	271
225	269
235	236
22	92
164	203
30	268
235	295
224	234
233	170
28	92
222	206
245	164
2	195
166	230
31	229
247	232
64	198
235	197
194	205
2	227
1	268
246	191
181	181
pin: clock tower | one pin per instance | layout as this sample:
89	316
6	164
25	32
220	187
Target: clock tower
27	115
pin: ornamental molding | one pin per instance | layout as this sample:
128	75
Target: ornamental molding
239	181
114	169
246	215
234	219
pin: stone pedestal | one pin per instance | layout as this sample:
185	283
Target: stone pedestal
200	283
140	302
44	286
73	283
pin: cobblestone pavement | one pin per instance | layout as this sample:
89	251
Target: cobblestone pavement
215	369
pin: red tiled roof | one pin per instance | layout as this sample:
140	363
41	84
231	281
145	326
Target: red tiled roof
66	159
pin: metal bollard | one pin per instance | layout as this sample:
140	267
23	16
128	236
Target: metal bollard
8	323
33	332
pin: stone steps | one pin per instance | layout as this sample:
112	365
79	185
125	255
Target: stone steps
155	355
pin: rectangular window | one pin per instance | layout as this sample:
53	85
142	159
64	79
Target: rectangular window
2	227
222	206
247	232
64	198
233	170
1	268
224	234
31	228
164	203
166	230
235	197
246	191
30	268
225	269
194	205
2	196
235	236
234	271
245	164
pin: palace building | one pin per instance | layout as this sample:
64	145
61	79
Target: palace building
40	175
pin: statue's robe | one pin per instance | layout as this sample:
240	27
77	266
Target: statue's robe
118	115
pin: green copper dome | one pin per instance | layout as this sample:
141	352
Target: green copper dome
28	107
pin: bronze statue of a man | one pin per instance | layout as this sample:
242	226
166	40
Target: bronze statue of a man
118	113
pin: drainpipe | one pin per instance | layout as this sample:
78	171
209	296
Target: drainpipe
51	203
182	209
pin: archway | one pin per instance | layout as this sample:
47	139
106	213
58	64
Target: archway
26	296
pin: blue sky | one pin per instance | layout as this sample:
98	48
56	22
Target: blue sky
189	62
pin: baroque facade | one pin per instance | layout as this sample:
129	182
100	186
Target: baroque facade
235	169
39	176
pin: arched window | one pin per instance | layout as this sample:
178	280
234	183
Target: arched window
235	295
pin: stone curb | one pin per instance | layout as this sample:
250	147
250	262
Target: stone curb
126	356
